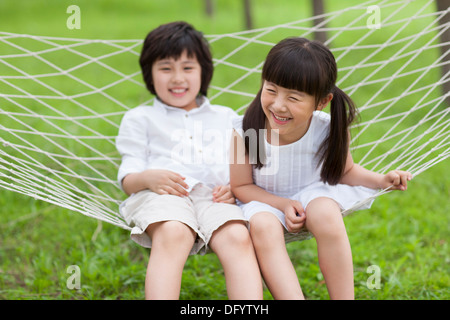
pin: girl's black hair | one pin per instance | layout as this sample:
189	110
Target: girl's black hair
169	41
310	67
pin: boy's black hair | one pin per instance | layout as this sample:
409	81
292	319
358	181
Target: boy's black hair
169	41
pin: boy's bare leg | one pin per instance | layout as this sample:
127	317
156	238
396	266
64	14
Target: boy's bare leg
171	243
233	245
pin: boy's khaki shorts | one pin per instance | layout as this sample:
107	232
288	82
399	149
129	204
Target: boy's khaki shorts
197	211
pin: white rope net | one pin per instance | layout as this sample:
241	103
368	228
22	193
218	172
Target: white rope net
61	100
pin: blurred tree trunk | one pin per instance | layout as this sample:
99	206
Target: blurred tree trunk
443	5
318	9
209	7
248	15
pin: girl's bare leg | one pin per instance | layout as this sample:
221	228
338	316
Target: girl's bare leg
325	222
279	274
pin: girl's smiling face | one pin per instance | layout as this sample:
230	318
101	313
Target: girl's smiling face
288	111
177	82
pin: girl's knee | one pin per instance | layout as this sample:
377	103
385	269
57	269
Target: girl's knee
323	217
264	226
263	222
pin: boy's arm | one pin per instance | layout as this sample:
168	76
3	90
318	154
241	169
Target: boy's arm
156	180
132	144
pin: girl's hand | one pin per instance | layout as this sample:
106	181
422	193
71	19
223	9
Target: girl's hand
294	216
166	182
223	194
396	180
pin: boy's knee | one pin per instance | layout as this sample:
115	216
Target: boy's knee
167	233
233	233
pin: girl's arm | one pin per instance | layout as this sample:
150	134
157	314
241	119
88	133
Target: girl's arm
242	186
241	179
355	175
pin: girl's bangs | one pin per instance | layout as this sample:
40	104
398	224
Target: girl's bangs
295	69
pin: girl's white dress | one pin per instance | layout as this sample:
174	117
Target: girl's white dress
292	171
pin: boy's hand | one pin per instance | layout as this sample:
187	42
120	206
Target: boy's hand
166	182
294	215
396	180
223	194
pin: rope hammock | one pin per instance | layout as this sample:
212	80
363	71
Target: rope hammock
62	99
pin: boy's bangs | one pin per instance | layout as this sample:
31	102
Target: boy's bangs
175	47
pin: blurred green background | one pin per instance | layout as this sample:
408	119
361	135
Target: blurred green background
404	234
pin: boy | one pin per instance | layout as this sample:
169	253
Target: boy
179	205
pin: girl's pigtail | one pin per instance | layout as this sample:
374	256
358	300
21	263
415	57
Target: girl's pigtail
334	149
254	119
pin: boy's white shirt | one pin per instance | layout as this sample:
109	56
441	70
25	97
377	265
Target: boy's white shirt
192	143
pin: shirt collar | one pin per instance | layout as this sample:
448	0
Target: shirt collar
202	102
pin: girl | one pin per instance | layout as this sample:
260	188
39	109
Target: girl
298	173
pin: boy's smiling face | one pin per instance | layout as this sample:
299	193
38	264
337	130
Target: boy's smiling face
177	82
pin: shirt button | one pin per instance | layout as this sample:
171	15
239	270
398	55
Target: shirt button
186	115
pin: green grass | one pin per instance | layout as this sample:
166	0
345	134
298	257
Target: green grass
404	234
